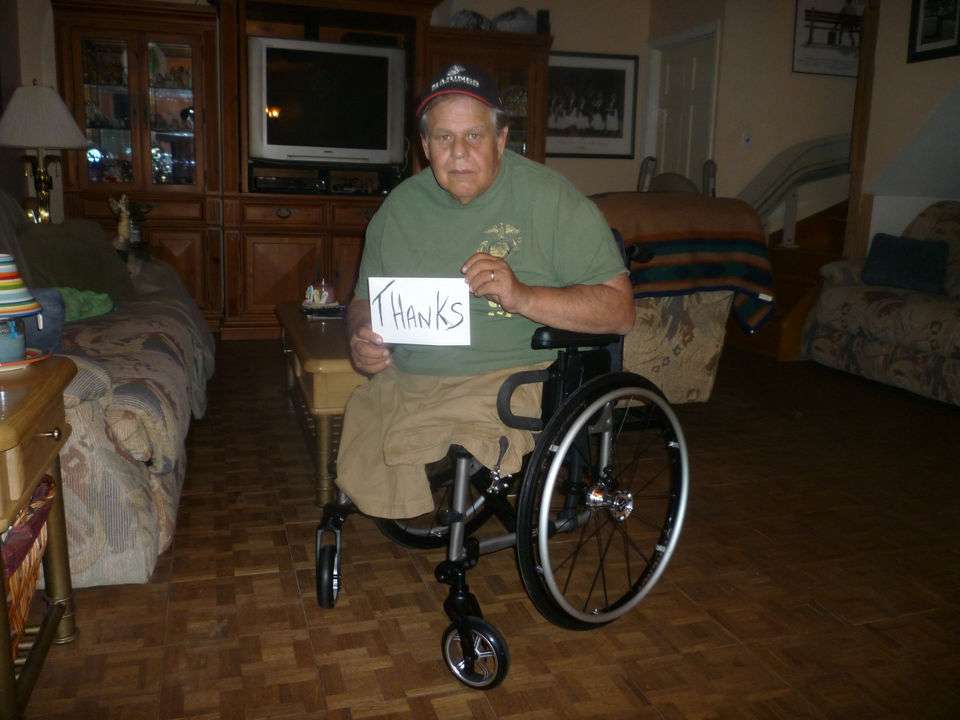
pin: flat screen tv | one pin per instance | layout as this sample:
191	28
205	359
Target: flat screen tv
326	102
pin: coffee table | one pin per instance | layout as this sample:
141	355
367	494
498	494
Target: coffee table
318	378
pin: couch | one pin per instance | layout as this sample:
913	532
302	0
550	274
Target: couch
681	322
886	329
142	370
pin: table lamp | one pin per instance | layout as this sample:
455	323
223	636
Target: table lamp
16	303
37	119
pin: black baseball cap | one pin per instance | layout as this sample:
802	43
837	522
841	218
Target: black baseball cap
459	79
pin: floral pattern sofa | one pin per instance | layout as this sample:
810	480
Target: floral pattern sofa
902	337
141	376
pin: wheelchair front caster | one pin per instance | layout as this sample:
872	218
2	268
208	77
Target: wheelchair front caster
481	659
328	576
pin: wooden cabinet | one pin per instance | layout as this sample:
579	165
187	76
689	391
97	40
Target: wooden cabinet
33	430
284	243
518	62
276	244
146	81
141	81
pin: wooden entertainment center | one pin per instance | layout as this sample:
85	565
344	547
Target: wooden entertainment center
162	91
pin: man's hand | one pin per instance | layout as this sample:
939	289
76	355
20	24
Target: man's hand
368	353
605	307
491	277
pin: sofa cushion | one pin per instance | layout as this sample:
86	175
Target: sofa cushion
941	221
905	263
921	321
75	254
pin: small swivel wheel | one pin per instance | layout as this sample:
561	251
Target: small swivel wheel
482	660
328	570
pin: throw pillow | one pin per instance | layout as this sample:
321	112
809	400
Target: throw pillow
75	254
46	340
905	263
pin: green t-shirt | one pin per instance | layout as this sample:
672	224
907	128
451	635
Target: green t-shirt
551	234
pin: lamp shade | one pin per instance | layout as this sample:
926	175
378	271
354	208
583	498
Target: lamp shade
15	298
37	117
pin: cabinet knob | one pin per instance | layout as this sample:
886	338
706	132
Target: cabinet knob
55	434
284	212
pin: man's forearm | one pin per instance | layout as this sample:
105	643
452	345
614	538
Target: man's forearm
605	308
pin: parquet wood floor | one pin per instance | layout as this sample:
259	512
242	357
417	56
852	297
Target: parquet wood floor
818	577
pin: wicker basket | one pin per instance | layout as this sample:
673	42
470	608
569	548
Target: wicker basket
22	549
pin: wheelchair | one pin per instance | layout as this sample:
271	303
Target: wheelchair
598	508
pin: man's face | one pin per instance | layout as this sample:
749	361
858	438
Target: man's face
462	146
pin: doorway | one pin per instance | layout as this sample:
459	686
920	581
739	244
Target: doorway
681	101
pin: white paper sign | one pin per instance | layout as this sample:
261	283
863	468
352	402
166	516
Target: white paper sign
420	311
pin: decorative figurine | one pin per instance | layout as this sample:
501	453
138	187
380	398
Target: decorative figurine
320	294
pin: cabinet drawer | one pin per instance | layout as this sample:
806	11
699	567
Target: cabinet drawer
285	214
186	209
34	454
353	214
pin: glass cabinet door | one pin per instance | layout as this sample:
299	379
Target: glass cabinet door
171	113
107	110
514	84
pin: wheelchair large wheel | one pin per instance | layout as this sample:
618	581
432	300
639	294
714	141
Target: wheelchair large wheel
430	530
602	502
492	660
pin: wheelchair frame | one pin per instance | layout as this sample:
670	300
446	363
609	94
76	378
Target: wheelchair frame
581	399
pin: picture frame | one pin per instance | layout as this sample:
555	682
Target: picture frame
592	105
934	30
827	36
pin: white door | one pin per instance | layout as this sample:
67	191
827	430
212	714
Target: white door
685	107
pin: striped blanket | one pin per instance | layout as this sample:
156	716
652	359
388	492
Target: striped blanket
685	264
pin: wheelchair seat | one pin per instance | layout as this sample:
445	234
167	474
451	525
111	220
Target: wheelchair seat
594	514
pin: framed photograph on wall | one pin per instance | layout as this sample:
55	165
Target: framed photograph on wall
826	37
592	105
934	30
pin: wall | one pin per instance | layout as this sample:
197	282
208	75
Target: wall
897	85
673	17
11	179
763	107
913	112
603	26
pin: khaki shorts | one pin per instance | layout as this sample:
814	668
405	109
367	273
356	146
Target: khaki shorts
398	422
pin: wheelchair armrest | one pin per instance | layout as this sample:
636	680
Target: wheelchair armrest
547	338
637	254
505	395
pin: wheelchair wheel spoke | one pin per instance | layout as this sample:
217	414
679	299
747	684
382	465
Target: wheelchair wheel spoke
600	573
628	540
582	541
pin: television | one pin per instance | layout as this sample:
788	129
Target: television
326	102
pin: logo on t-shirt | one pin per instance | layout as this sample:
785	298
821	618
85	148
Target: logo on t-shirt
501	241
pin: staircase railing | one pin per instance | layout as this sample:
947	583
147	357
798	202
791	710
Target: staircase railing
803	163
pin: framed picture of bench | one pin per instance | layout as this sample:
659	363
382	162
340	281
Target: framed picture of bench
934	30
827	35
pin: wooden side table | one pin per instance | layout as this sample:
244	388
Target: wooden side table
319	378
33	429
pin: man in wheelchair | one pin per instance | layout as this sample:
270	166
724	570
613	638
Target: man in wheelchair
534	251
